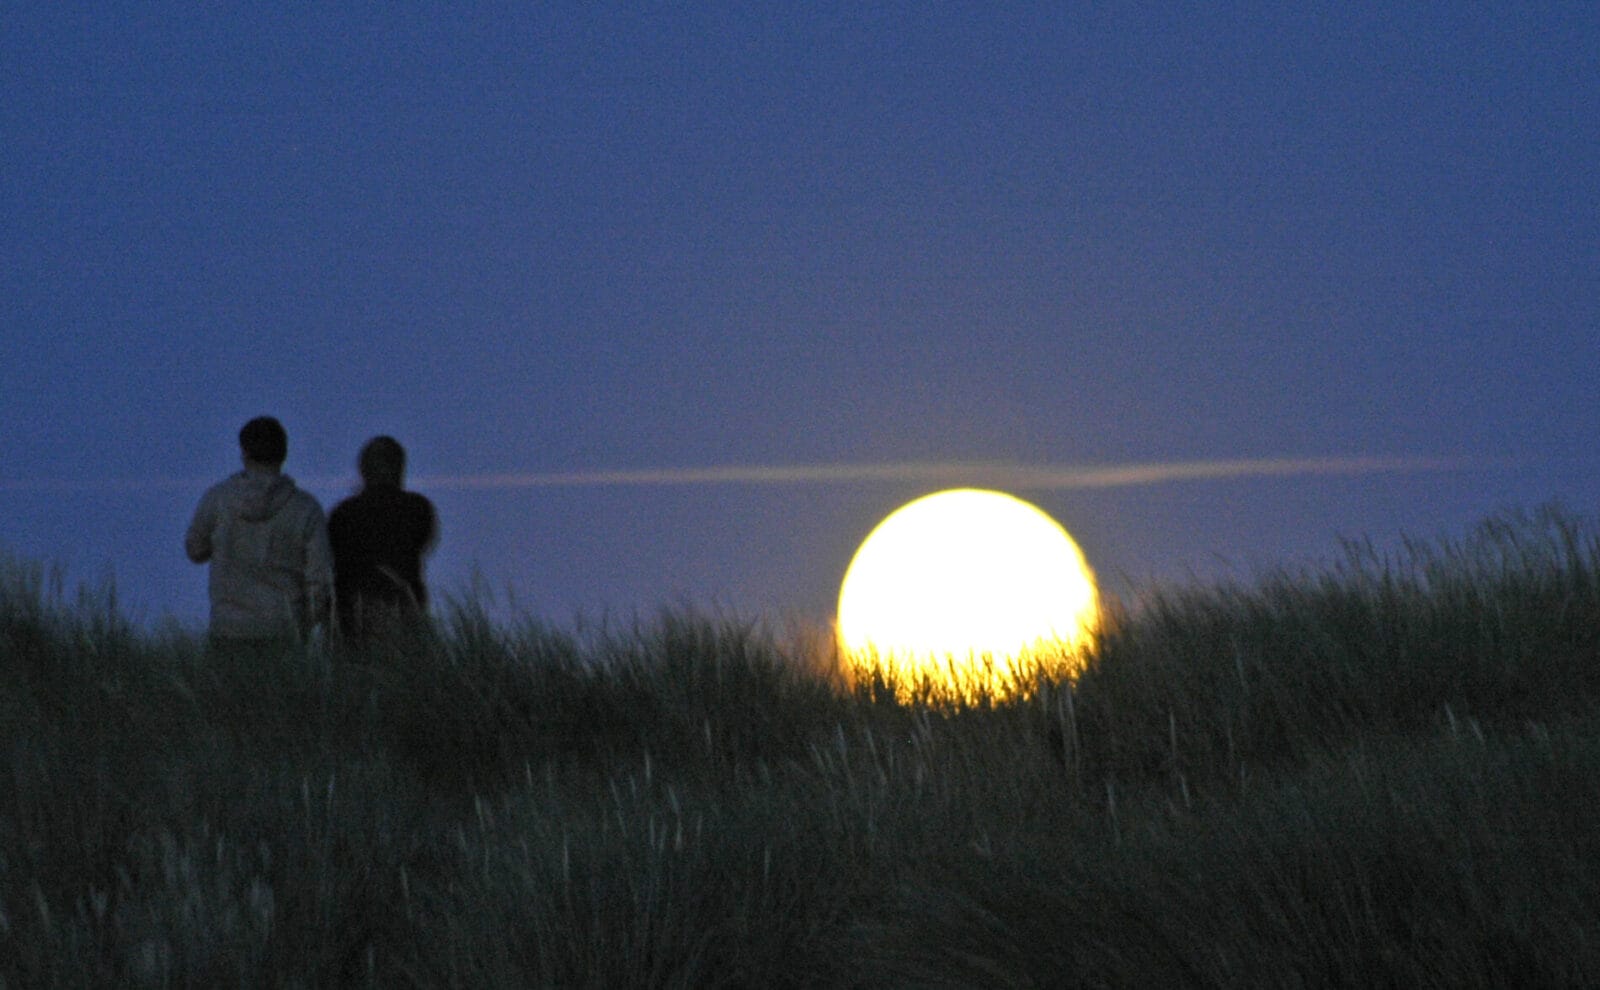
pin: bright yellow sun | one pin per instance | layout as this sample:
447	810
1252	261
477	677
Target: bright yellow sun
961	589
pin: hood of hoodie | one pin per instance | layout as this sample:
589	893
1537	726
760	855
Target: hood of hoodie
263	494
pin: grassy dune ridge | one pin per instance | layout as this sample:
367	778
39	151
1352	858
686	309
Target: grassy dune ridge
1385	771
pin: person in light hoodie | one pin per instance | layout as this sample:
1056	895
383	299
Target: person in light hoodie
266	540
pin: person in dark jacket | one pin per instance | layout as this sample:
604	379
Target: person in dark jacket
379	538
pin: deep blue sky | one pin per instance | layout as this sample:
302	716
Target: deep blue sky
592	237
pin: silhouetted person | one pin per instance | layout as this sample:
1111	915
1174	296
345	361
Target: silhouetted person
267	544
379	538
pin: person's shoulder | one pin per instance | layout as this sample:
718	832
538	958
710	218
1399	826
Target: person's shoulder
305	501
420	506
224	488
345	506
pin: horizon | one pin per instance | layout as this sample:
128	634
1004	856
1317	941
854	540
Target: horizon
1026	482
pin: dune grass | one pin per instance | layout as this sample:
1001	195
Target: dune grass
1385	771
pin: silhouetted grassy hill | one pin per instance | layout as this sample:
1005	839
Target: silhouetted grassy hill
1382	772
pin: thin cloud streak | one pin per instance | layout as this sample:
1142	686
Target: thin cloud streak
56	486
1020	476
997	475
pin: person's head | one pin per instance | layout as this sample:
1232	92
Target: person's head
383	461
263	441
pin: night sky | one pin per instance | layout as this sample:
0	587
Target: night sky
615	248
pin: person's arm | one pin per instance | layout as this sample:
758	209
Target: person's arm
432	539
197	540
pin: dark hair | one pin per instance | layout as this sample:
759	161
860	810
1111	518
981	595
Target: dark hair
263	441
383	461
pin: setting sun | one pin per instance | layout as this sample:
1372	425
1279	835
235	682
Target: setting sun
957	587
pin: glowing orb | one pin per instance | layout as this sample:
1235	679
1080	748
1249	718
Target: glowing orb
960	589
